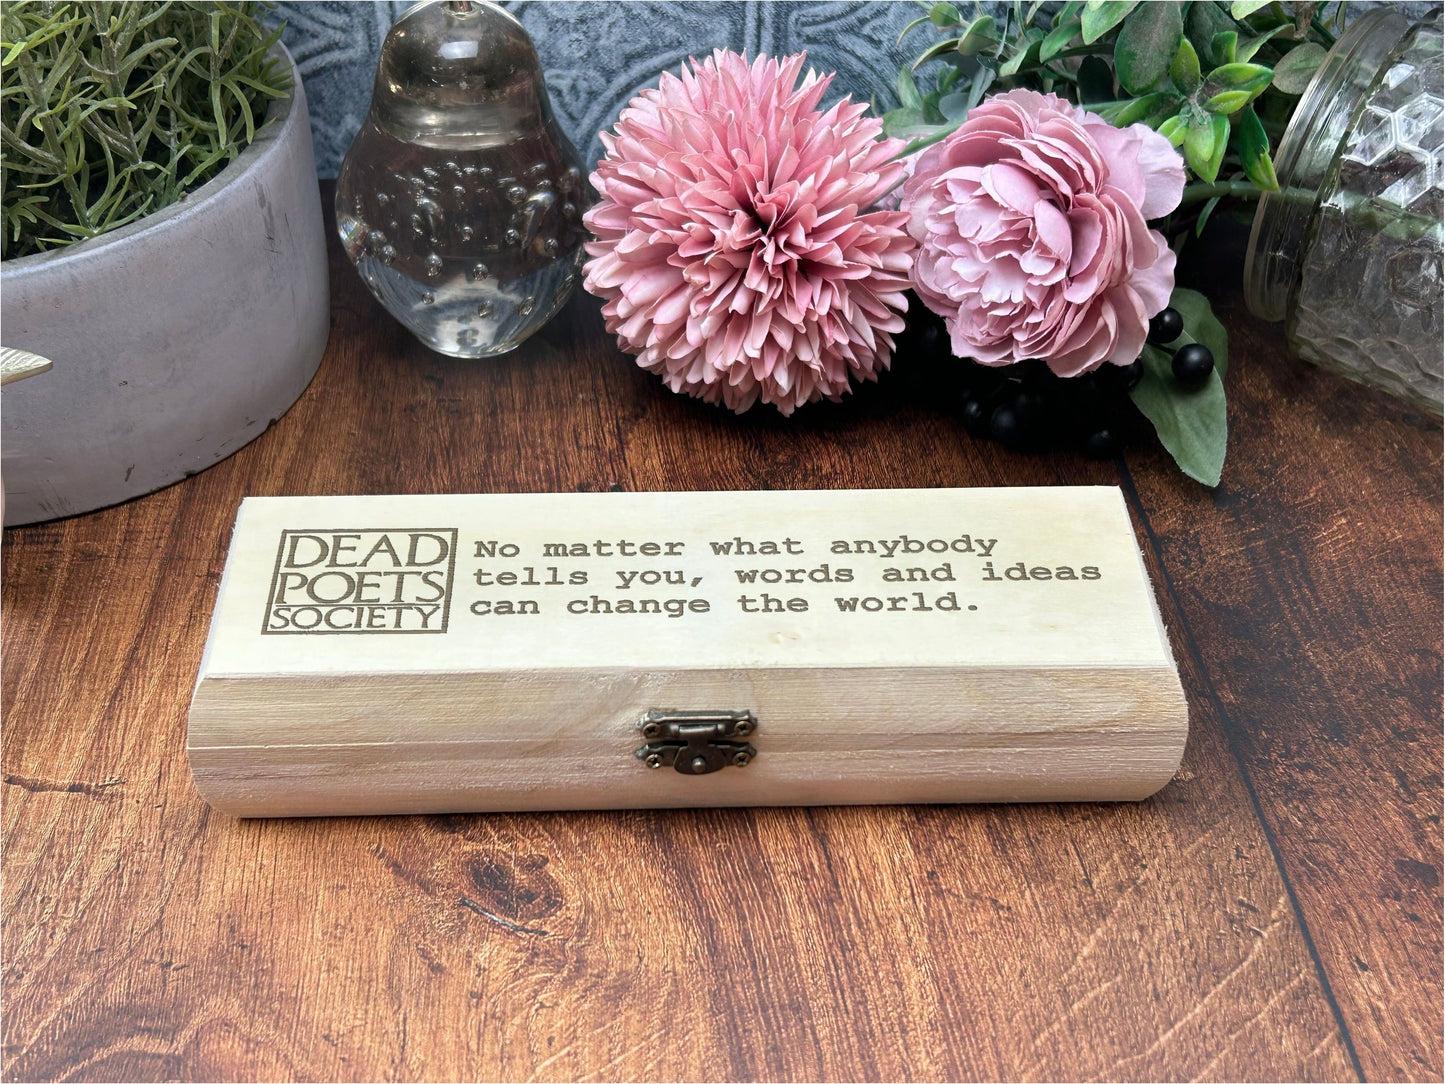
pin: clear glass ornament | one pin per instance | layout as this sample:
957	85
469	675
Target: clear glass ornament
460	201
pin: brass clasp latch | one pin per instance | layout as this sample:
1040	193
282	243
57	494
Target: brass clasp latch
696	742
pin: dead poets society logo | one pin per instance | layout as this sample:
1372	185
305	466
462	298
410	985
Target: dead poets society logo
362	581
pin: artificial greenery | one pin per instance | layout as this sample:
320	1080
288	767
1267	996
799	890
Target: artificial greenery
112	110
1220	80
1192	423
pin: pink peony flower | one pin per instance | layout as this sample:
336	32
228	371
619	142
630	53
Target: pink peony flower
1033	241
734	249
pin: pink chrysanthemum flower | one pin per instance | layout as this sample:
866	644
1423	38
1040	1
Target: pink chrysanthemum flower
735	249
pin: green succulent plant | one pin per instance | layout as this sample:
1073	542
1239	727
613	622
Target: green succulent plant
111	111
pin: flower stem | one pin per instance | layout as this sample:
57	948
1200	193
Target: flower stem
1199	193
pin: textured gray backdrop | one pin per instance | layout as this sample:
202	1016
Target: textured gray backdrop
599	53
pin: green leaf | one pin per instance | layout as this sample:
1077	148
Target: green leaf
1054	42
1204	145
1096	80
1201	325
1146	44
1204	214
1184	71
1221	145
1238	77
979	36
1223	47
938	48
1172	128
982	80
1067	12
1028	53
1166	107
903	123
1243	9
905	31
1203	22
1294	72
1109	110
908	91
1192	424
924	136
954	106
1227	102
921	135
1099	19
1267	18
944	15
1151	110
1246	51
1231	87
1142	110
1253	146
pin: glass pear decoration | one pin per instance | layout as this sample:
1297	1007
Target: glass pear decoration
460	201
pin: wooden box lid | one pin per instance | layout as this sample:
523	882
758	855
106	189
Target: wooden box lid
394	654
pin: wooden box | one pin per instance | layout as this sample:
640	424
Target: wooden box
615	650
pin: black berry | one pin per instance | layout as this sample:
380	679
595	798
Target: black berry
1101	444
931	342
1166	327
1004	427
1029	408
1128	376
1192	364
975	417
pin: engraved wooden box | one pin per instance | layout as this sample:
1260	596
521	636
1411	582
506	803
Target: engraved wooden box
624	650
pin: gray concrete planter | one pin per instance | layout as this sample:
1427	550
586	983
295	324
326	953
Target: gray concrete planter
176	340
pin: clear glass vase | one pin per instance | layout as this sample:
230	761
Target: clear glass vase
1348	252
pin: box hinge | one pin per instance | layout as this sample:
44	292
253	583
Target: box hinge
696	742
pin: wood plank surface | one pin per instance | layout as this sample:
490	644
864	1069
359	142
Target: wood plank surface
1336	574
1274	913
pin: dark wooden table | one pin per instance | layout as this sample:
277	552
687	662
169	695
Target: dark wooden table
1274	913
